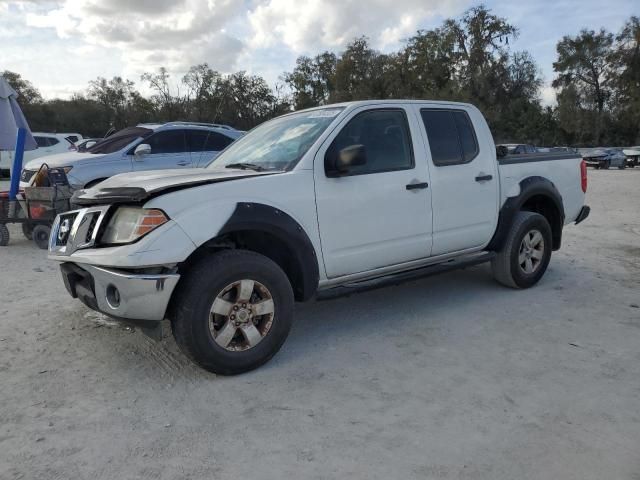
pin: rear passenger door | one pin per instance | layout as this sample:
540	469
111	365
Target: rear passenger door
205	145
168	150
464	178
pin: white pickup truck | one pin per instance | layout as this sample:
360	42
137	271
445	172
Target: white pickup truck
309	205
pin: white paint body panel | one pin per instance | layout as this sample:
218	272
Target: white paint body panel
372	221
465	211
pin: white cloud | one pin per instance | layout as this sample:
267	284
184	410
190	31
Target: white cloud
149	33
311	25
548	96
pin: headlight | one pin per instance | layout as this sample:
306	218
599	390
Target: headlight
129	224
66	169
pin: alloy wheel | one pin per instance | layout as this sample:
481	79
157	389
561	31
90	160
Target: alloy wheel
241	315
531	252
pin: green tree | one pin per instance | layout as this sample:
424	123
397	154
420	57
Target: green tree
626	61
584	65
27	93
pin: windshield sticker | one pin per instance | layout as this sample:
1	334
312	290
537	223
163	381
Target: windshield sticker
325	113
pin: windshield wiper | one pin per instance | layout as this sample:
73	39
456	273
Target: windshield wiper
245	166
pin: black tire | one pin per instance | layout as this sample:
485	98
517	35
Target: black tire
194	297
506	267
597	167
4	235
41	236
606	164
27	231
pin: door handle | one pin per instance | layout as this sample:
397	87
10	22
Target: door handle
183	163
484	178
417	186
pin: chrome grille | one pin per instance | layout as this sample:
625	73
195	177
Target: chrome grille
75	230
92	226
63	230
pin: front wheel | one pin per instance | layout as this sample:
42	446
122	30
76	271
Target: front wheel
232	312
526	253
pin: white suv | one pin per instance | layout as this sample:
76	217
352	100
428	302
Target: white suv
176	145
48	144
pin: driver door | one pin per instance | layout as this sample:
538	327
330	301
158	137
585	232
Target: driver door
377	214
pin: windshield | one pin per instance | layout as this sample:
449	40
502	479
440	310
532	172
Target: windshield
278	144
119	140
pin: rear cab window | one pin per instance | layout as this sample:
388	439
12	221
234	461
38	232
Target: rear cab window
452	138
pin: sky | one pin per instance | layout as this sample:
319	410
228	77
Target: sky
60	45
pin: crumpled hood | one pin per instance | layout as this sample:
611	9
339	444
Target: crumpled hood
139	186
61	160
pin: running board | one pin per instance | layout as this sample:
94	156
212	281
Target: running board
397	278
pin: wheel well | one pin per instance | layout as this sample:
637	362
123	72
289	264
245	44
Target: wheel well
545	206
261	242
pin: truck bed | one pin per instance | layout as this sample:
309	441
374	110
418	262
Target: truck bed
561	168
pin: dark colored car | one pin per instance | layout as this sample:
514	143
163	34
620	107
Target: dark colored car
606	158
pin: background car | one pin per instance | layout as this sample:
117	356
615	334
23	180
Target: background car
633	156
86	143
172	145
48	144
605	158
73	137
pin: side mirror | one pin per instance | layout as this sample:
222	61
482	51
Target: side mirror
502	151
142	149
339	163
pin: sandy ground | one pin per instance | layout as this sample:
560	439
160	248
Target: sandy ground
448	377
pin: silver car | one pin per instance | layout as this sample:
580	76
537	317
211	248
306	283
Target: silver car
176	145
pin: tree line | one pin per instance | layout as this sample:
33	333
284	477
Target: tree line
597	79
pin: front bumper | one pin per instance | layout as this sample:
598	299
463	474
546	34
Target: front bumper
120	294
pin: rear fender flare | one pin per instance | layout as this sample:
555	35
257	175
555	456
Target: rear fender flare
529	187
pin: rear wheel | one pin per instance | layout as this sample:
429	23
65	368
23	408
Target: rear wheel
526	253
232	312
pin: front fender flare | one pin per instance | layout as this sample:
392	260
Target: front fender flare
271	220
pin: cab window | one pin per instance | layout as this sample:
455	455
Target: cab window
384	135
452	139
